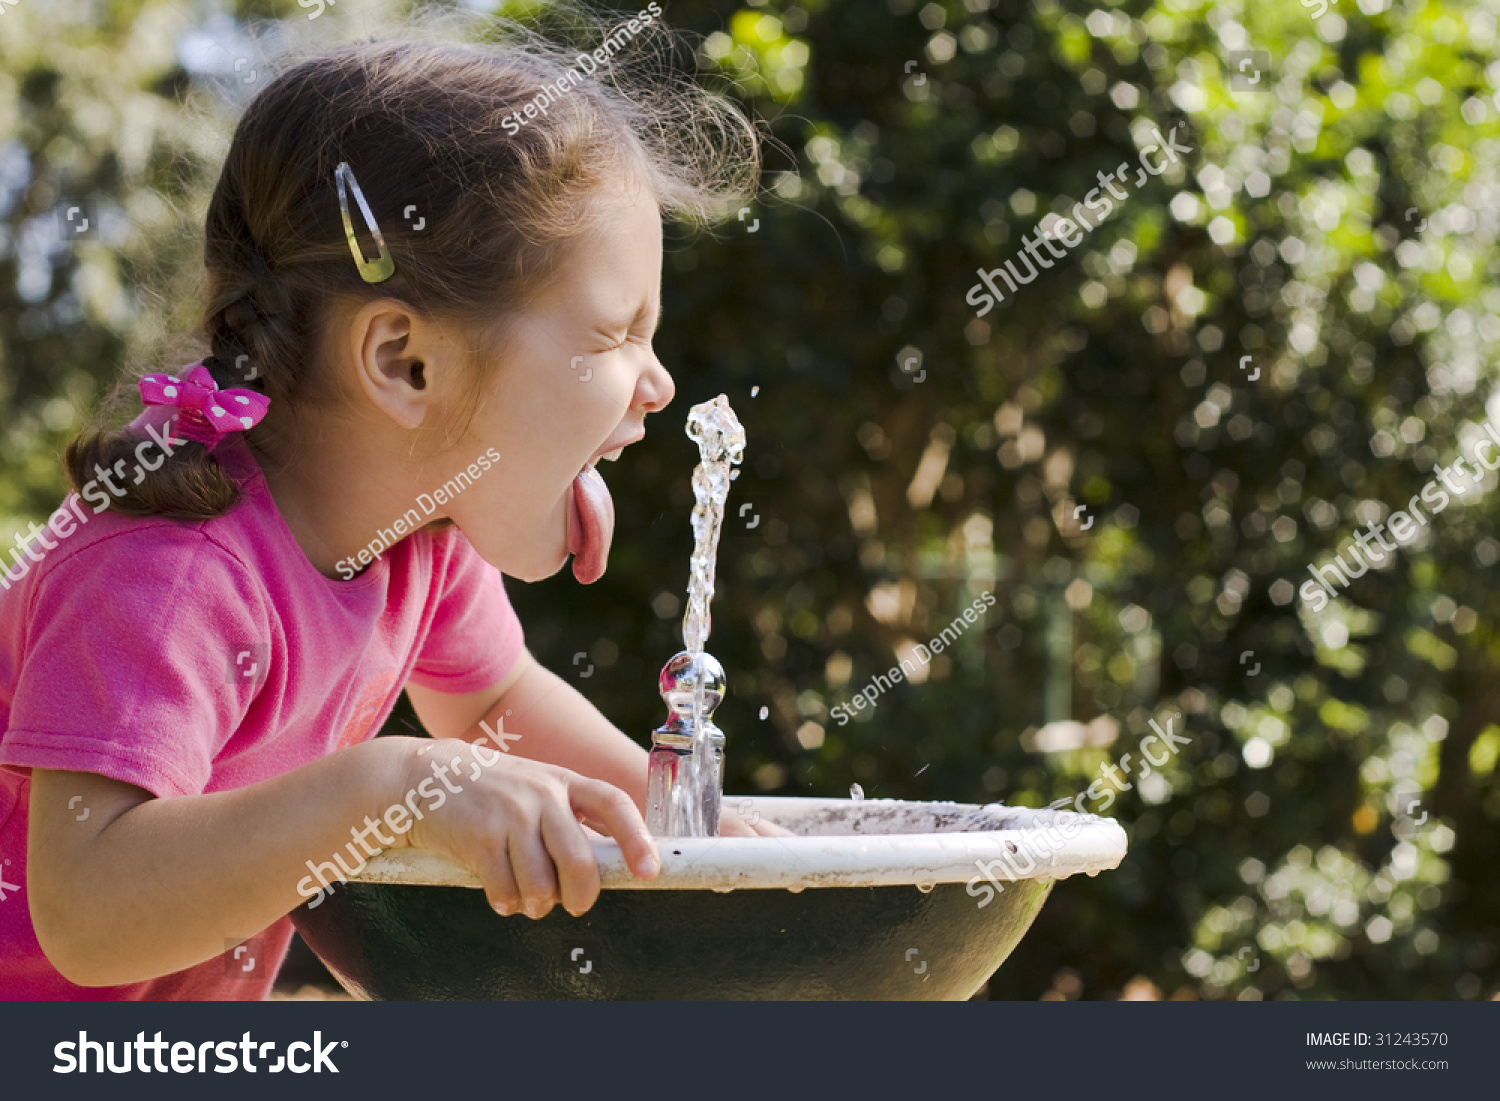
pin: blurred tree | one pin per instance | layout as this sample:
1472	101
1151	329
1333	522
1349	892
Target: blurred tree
1255	353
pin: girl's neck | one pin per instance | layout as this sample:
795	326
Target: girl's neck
333	499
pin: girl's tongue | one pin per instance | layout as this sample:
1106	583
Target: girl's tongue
591	525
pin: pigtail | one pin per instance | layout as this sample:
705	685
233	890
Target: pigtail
187	485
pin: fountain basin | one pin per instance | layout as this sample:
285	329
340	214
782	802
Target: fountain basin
873	899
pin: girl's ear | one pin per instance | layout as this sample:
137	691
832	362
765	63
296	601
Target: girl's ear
390	363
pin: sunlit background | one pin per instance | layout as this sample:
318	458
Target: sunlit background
1140	453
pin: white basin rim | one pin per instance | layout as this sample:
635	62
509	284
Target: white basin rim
1031	844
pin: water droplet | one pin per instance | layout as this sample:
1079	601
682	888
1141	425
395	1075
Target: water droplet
926	888
754	390
764	712
856	792
797	889
733	474
722	890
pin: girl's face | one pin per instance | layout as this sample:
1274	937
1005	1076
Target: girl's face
576	378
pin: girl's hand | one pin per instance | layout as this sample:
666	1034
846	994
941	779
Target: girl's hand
519	825
732	825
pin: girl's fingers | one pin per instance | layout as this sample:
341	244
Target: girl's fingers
500	884
732	825
611	810
535	875
577	870
771	829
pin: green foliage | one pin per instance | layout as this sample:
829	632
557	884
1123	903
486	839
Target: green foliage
1331	830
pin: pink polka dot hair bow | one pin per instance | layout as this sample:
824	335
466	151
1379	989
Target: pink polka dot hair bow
206	413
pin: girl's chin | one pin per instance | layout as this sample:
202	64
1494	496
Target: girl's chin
528	564
534	559
532	575
537	567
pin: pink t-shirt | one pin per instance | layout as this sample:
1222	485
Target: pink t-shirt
194	657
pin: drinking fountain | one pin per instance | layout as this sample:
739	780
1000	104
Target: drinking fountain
868	899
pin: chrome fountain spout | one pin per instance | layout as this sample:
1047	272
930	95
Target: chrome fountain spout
685	777
685	781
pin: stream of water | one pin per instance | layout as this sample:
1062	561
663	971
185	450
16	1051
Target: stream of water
693	804
721	444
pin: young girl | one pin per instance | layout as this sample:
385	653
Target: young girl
196	651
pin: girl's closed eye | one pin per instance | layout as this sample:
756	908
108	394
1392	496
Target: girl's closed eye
640	329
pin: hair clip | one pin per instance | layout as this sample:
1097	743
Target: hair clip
371	271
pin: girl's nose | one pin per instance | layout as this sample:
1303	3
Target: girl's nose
656	388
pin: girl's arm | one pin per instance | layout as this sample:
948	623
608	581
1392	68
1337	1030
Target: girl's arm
145	886
549	720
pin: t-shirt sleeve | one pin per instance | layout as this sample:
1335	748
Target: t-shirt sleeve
127	671
475	637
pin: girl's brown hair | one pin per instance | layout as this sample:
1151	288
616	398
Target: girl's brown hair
421	126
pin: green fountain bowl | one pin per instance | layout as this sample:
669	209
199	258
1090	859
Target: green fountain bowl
871	900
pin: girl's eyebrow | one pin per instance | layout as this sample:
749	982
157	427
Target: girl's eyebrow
613	326
645	312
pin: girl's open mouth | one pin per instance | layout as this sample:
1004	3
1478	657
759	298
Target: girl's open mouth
590	525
